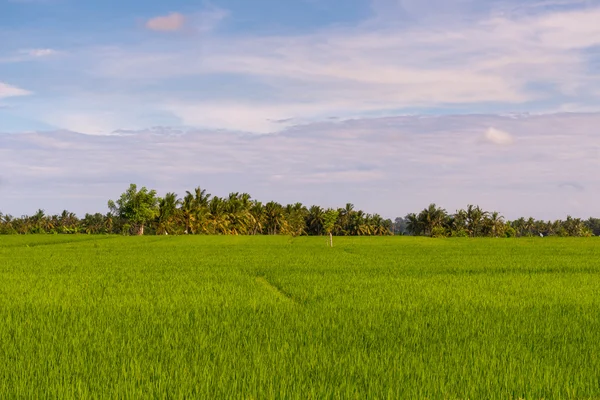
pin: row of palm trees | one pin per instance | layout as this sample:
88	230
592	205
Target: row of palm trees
238	214
200	213
475	222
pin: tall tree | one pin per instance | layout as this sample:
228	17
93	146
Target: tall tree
136	207
167	211
431	218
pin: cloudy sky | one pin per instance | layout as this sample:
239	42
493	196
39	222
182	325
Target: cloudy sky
388	104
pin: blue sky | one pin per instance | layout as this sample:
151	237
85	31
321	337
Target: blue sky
267	67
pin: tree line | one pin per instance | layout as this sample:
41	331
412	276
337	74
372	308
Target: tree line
473	221
139	212
142	211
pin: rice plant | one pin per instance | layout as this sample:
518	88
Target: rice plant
279	317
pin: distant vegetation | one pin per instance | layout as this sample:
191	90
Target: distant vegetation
475	222
142	211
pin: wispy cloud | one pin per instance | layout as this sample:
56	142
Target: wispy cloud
168	23
27	55
499	62
389	165
499	137
7	90
39	52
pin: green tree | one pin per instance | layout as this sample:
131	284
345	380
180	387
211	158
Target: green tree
136	207
167	211
431	218
330	218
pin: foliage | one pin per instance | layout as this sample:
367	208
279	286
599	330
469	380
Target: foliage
200	213
143	212
136	207
476	222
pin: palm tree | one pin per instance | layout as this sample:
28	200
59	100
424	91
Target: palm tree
315	220
529	226
495	221
345	215
188	207
475	217
295	215
258	217
432	217
275	220
167	211
413	224
194	208
238	213
218	218
359	224
519	226
574	226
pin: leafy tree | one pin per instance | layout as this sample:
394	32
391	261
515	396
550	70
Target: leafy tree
136	207
330	218
593	224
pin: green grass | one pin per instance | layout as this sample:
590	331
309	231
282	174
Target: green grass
275	317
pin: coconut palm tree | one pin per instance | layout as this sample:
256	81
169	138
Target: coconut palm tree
275	220
494	223
314	220
432	217
217	216
475	217
258	217
167	212
413	224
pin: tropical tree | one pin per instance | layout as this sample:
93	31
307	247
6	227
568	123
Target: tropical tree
431	218
314	220
275	222
295	215
136	207
258	217
494	224
413	224
475	218
330	217
167	214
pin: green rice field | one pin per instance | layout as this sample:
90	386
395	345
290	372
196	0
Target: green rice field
290	318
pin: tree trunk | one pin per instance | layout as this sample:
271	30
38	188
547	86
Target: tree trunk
330	239
141	230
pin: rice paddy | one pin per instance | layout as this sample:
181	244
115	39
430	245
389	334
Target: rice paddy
276	317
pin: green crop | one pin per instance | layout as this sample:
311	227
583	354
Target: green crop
275	317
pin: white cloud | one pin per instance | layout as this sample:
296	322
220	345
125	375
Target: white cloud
39	52
492	63
168	23
499	137
89	123
535	62
388	165
7	90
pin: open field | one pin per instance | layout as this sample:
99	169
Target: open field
275	317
